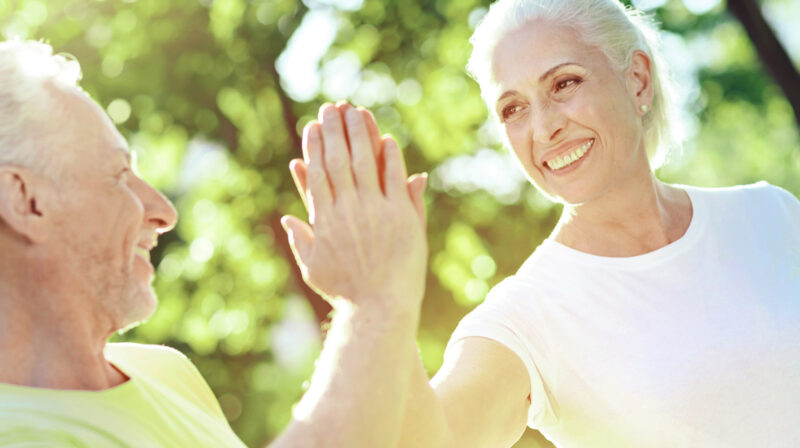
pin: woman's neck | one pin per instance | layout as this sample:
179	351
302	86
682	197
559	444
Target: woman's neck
637	217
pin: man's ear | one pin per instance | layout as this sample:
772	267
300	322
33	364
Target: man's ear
23	195
640	80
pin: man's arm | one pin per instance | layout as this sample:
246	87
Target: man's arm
478	399
359	388
365	251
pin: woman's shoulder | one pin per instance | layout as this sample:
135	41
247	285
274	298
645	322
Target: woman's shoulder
761	198
749	192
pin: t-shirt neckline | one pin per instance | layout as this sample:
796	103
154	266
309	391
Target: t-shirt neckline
686	241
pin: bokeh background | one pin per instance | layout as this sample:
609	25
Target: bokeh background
213	94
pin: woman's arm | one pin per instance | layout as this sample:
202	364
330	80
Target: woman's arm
479	398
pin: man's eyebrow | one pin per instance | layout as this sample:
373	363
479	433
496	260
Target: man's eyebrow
126	153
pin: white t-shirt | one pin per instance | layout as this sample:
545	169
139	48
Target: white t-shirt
696	344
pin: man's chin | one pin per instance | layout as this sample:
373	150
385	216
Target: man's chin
143	307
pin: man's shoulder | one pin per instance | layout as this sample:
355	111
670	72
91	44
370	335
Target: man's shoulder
146	351
159	362
128	354
165	368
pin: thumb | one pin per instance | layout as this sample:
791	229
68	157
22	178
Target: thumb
301	240
416	191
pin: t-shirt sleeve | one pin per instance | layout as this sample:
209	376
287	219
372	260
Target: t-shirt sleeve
170	369
188	380
790	206
498	319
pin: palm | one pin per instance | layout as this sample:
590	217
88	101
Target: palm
367	236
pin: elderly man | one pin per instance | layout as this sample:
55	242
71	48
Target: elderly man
76	227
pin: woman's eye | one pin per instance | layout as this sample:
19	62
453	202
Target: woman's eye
510	110
561	85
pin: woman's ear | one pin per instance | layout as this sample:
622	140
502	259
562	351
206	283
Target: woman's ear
23	199
640	81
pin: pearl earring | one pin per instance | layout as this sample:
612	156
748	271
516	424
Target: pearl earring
643	108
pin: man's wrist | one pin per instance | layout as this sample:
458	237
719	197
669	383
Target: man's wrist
382	307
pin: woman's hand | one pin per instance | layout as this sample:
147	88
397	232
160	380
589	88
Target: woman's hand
366	242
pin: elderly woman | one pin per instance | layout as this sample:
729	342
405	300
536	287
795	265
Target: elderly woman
654	315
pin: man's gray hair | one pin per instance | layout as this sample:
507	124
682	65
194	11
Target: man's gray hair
28	73
604	24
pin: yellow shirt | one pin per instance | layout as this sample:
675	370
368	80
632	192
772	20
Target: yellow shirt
166	403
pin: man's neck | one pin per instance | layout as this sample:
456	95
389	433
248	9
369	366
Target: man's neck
45	343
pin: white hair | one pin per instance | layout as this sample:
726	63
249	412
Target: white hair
28	72
605	24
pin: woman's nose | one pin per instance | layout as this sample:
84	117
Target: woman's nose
547	124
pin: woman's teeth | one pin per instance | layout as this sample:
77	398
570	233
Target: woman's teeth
571	157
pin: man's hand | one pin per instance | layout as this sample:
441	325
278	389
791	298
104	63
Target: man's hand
366	242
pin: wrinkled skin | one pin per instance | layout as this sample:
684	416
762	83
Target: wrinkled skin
365	240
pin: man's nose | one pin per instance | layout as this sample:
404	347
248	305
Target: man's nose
157	208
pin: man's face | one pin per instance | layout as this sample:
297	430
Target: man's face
108	218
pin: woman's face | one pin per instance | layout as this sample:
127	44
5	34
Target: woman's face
573	121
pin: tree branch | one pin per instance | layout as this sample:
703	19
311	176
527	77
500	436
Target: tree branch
770	50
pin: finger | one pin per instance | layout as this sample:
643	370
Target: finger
317	178
395	171
416	191
306	129
343	106
337	156
375	140
363	158
301	240
374	133
298	170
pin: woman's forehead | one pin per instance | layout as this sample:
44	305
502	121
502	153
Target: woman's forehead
537	49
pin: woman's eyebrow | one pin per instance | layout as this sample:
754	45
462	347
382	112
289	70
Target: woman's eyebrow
556	68
506	94
544	76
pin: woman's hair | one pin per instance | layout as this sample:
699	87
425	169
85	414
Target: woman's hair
28	73
604	24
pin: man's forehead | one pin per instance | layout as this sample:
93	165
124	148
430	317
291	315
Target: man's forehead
92	127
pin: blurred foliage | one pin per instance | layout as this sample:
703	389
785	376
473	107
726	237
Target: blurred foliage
194	86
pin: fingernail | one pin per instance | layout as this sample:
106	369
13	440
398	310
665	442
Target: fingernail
329	112
323	111
313	135
351	116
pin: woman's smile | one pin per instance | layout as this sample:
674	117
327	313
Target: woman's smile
560	164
